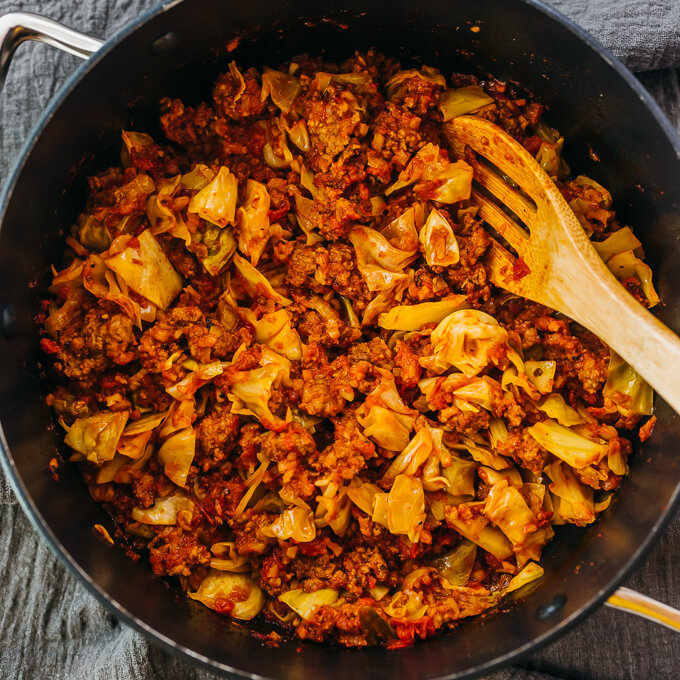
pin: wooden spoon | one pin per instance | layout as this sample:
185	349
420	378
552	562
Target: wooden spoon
565	271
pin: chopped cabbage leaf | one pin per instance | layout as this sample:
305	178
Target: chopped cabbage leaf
134	446
220	245
252	390
253	221
144	267
275	330
402	232
456	566
460	474
483	454
466	339
181	414
255	283
188	386
176	455
162	217
510	475
199	177
530	572
574	449
384	416
541	374
413	317
334	510
577	499
407	605
363	494
438	241
620	241
164	511
379	262
427	73
436	178
462	100
227	558
626	388
426	444
305	604
307	218
227	593
294	523
506	508
554	406
626	264
97	437
468	521
216	202
406	507
281	87
322	80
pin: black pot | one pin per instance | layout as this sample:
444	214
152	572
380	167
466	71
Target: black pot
178	49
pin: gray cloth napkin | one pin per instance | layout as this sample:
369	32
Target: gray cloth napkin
50	627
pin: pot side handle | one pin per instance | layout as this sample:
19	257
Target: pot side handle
18	27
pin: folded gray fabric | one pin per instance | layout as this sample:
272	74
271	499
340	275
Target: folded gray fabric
52	628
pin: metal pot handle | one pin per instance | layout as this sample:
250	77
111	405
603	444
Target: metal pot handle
19	27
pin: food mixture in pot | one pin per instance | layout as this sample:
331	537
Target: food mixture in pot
281	367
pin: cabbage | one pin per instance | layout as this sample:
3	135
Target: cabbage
456	566
617	243
438	241
465	339
227	558
306	604
104	283
164	511
176	455
482	391
576	504
255	283
461	475
281	87
425	444
541	374
221	245
322	80
363	494
97	437
463	100
161	217
428	74
181	414
188	386
134	446
574	449
252	483
510	475
626	388
216	202
413	317
475	528
333	509
406	507
275	330
529	573
253	221
625	264
233	594
407	605
251	393
506	508
498	431
146	269
304	209
437	179
379	262
554	406
199	177
146	423
384	416
402	232
484	455
294	523
133	141
93	234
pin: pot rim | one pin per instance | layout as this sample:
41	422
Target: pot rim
42	526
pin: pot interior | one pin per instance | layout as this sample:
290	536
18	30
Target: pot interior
179	51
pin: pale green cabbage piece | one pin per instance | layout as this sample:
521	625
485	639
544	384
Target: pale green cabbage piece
462	100
176	455
222	586
164	511
626	388
413	317
306	604
574	449
97	437
216	202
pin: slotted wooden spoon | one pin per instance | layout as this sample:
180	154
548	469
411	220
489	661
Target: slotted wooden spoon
565	271
566	274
